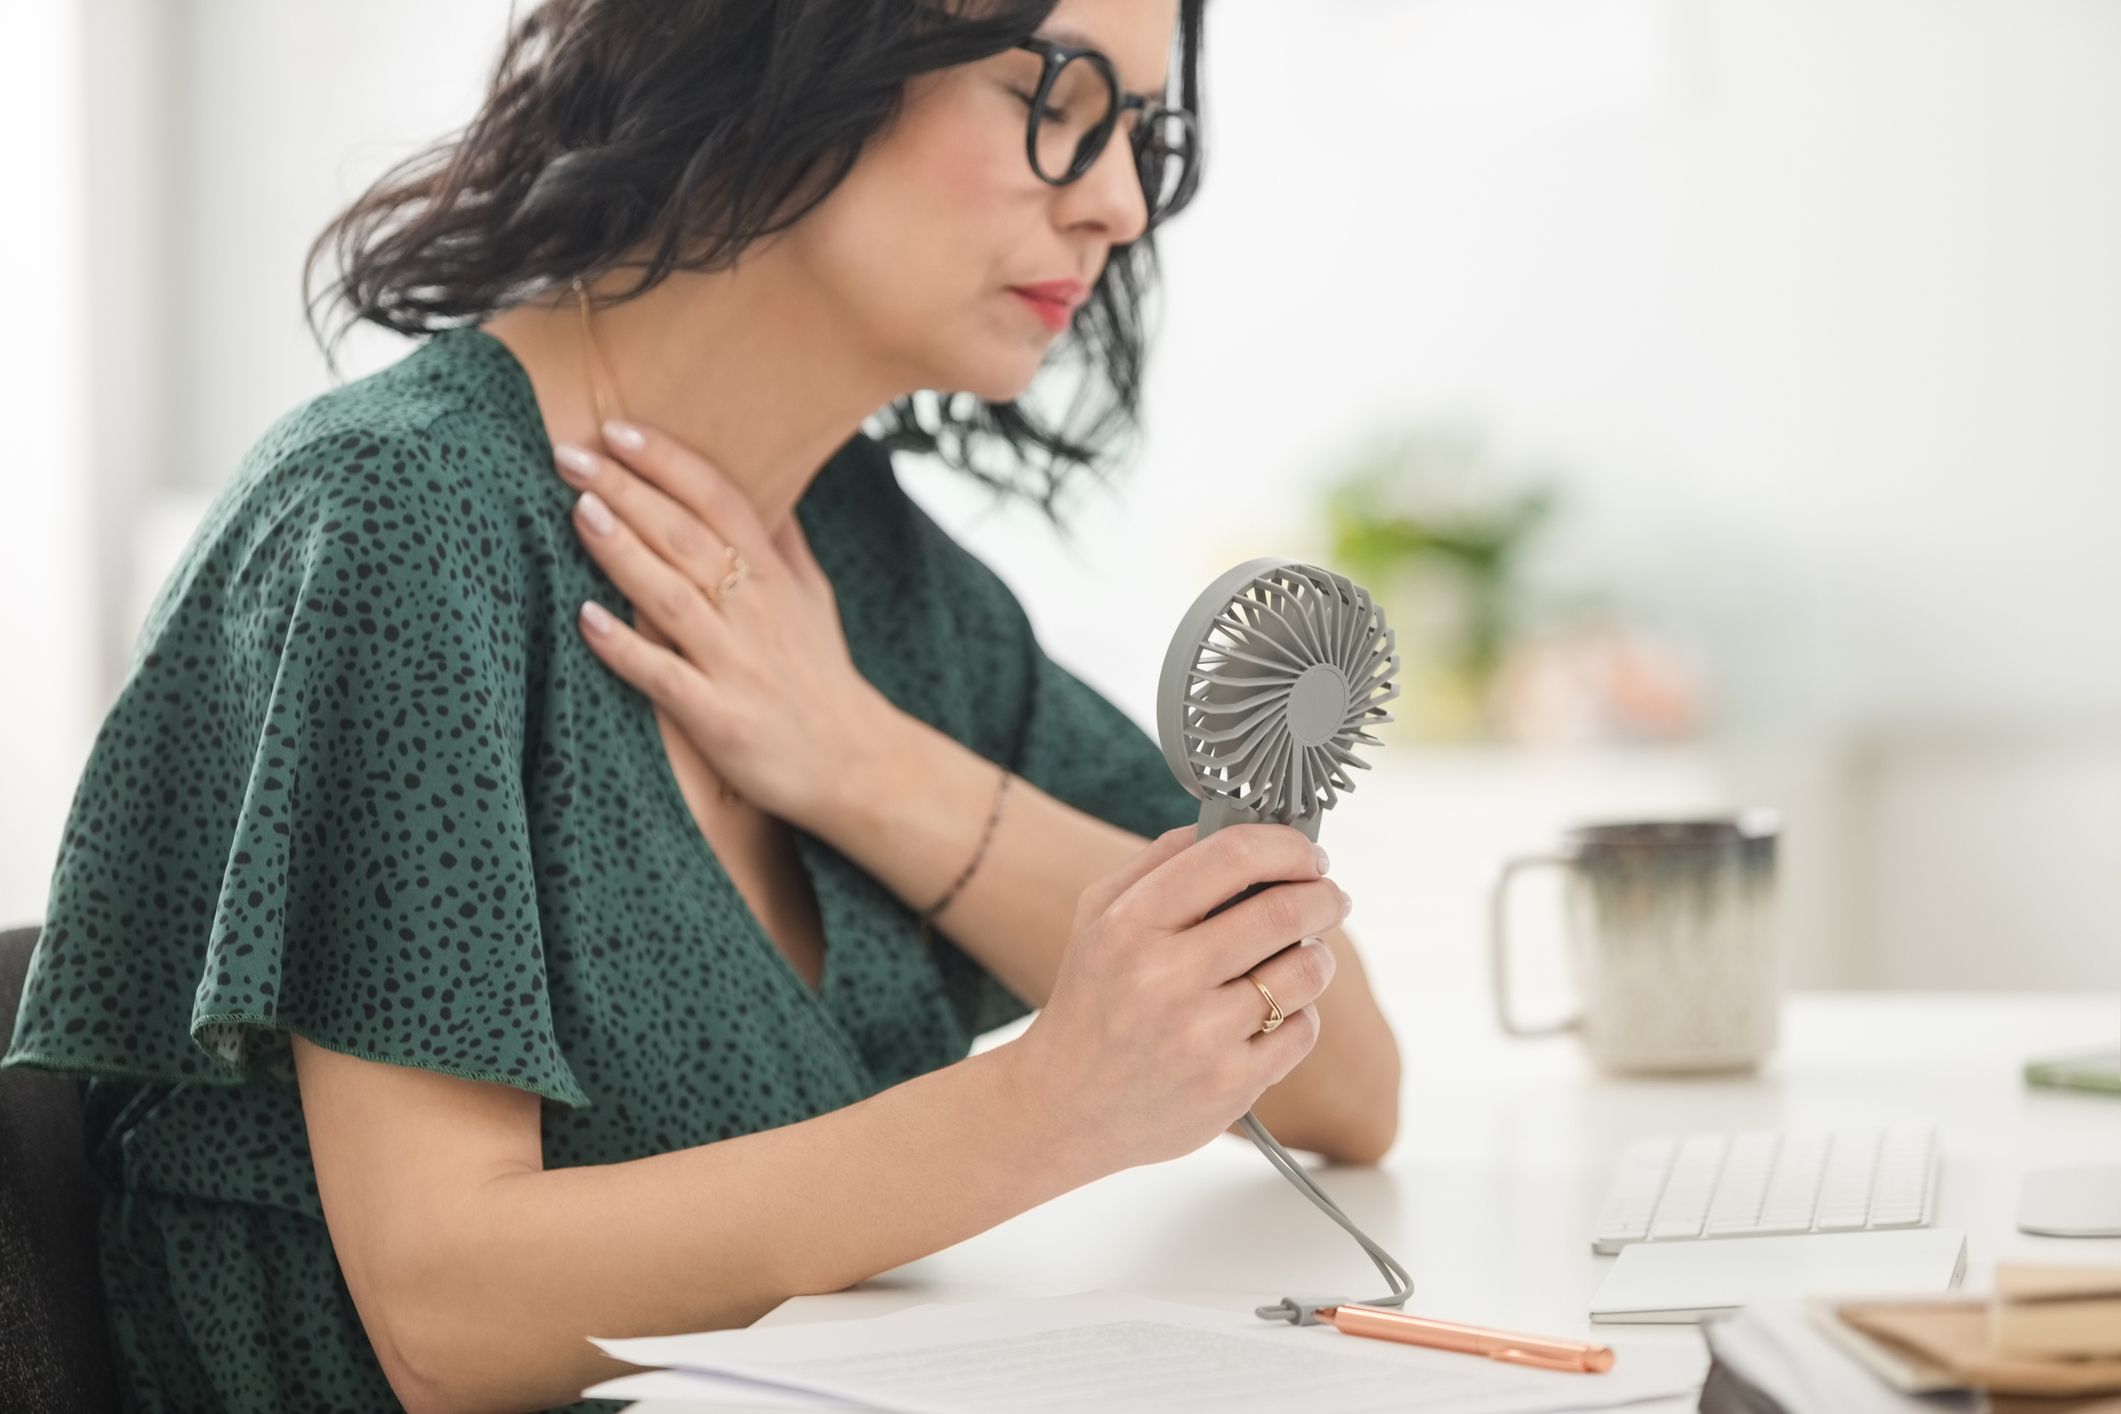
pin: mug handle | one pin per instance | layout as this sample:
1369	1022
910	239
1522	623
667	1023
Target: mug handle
1498	942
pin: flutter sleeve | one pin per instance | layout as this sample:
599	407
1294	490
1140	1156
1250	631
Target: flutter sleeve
305	812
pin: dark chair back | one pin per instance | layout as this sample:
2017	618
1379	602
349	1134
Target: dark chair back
54	1347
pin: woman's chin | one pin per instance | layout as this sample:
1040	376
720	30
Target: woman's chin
1009	360
1001	379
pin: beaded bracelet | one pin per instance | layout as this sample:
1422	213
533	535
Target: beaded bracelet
994	813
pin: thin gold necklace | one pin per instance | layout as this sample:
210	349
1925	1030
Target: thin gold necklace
598	374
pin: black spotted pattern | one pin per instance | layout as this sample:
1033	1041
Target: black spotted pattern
363	781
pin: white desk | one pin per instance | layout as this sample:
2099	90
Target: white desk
1503	1156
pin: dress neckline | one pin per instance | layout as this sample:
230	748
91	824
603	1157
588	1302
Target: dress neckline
813	857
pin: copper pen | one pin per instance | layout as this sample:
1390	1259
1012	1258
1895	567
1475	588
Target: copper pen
1544	1352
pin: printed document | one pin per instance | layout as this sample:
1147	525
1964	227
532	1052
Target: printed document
1117	1354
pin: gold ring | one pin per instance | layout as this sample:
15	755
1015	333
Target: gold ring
1274	1017
739	569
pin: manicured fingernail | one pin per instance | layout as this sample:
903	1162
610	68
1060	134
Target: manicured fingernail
1321	861
1346	900
597	617
1313	942
595	512
624	434
576	463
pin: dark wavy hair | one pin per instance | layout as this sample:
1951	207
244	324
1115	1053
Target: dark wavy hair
691	128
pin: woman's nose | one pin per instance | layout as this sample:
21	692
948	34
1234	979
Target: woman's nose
1110	193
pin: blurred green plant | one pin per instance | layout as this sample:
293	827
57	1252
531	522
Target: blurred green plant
1436	526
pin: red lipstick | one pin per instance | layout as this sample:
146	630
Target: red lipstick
1053	301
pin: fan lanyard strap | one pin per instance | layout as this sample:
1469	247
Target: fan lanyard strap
1303	1310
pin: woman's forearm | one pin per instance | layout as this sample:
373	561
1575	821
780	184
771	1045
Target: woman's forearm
911	810
490	1307
911	815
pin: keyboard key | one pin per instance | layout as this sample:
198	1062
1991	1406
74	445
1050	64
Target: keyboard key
1899	1218
1681	1225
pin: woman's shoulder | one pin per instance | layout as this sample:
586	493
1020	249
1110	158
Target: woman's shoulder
420	472
895	527
456	407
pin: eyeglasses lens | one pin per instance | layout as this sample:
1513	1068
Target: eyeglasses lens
1077	118
1074	120
1163	154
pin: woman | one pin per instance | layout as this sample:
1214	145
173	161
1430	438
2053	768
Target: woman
570	812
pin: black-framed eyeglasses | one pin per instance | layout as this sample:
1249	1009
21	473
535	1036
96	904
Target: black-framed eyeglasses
1076	107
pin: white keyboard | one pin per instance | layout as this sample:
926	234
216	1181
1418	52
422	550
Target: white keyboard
1687	1187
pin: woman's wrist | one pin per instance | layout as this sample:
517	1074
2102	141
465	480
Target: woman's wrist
908	803
1067	1128
877	737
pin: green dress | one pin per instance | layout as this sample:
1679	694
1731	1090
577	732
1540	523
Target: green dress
365	782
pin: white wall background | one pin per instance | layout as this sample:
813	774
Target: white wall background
47	622
1815	300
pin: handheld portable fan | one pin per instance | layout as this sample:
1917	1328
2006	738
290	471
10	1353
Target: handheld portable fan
1267	686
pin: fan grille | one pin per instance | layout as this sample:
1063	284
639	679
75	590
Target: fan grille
1279	690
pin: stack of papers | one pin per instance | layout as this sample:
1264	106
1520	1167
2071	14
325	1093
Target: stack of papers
1780	1357
1923	1355
2049	1333
2056	1313
1108	1351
